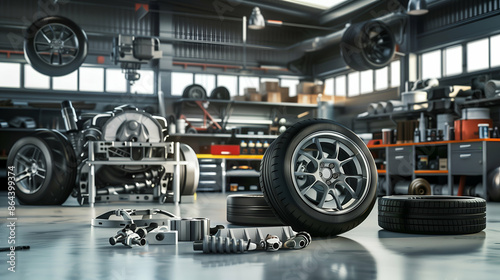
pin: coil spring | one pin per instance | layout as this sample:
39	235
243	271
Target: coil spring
214	244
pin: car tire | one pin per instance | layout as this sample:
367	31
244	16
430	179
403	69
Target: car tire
250	210
434	214
45	168
63	39
318	176
368	45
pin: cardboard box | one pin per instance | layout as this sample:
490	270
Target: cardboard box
250	90
253	97
272	97
301	98
333	99
238	98
305	87
318	89
285	95
313	98
443	164
266	87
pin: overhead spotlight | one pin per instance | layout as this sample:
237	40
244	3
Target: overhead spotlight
417	7
256	20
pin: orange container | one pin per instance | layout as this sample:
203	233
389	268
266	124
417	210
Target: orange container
467	129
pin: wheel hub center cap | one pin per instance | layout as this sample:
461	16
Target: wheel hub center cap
326	173
34	168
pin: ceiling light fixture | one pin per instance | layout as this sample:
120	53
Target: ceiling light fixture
256	20
417	7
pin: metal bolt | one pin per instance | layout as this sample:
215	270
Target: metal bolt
328	182
331	165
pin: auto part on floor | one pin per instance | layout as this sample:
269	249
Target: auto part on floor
319	177
115	156
419	186
148	216
213	244
368	45
250	210
191	229
128	236
133	51
432	214
237	240
55	46
162	236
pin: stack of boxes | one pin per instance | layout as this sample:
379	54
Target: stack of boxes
307	93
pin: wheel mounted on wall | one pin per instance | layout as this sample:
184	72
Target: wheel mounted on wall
55	46
319	177
368	45
195	91
45	168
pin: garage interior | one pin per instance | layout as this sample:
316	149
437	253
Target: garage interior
261	139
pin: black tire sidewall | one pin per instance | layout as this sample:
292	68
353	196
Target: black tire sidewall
39	195
368	200
280	193
41	66
352	49
57	185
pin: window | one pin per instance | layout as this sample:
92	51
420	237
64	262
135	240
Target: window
179	82
340	86
395	73
366	81
91	79
382	78
11	75
66	82
431	65
329	86
230	82
495	54
353	82
248	82
34	79
206	81
453	61
115	80
146	84
477	55
291	84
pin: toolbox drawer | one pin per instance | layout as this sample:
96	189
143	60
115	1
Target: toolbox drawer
466	162
400	161
400	164
401	150
467	146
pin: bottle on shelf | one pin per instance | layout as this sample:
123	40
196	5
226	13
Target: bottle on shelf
243	147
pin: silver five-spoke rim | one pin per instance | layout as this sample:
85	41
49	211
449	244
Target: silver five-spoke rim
31	169
330	172
56	44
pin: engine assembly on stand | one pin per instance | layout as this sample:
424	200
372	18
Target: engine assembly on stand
120	155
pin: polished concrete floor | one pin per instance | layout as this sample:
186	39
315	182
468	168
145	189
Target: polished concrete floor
65	246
